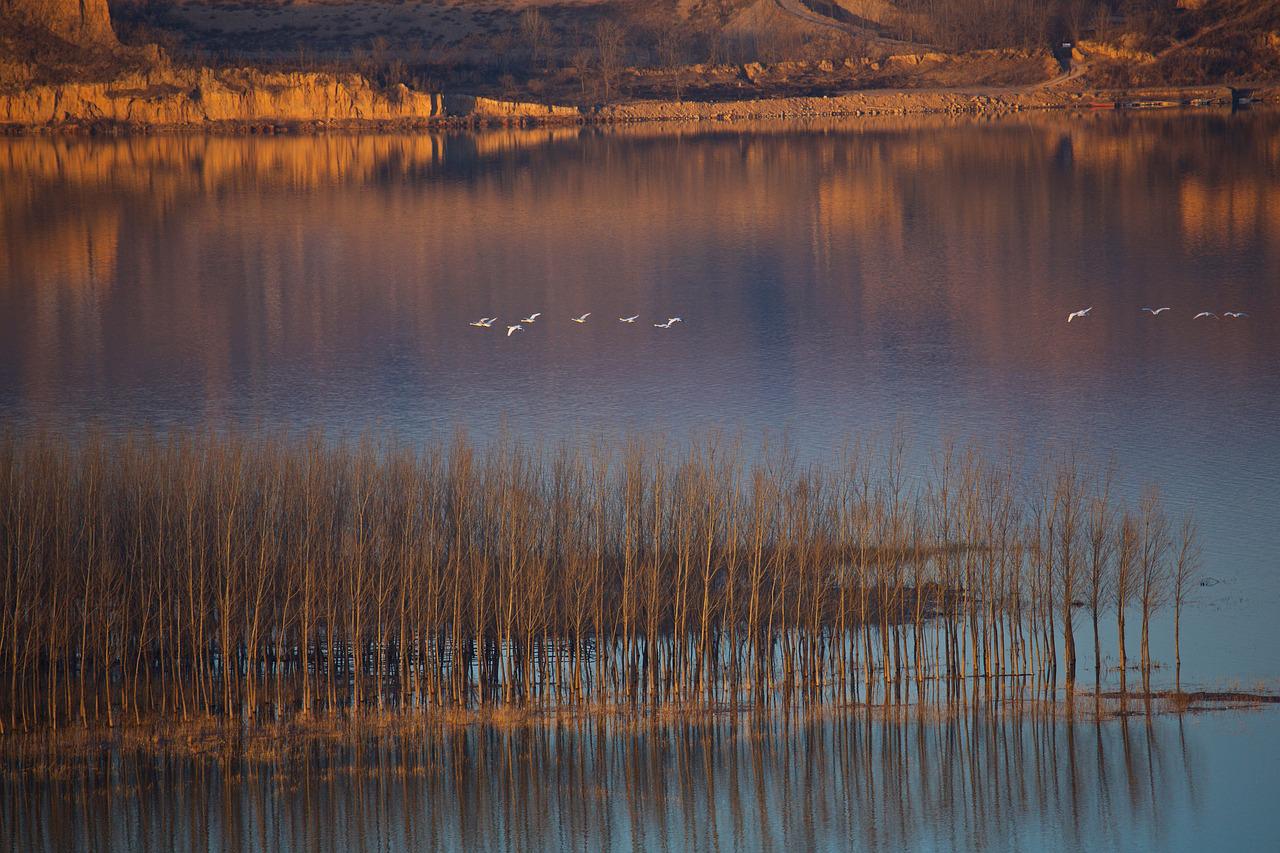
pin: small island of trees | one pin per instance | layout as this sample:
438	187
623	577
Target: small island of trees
257	577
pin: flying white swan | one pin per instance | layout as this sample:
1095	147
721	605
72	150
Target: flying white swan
1235	315
1083	312
667	325
1205	314
581	319
531	317
516	328
630	319
1155	312
483	322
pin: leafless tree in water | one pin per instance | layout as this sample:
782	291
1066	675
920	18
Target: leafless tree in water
257	576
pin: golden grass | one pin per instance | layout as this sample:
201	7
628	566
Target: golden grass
211	738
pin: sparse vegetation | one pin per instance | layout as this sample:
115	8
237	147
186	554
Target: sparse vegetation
612	51
662	49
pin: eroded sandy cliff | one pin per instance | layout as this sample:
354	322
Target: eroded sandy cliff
82	22
202	96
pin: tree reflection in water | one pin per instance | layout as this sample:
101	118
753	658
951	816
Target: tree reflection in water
874	779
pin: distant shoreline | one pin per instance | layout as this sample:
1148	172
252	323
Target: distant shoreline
318	103
977	101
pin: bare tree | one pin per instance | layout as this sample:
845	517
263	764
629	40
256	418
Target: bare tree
580	61
537	33
610	40
1066	500
1101	540
242	575
1153	570
1186	570
1124	583
672	47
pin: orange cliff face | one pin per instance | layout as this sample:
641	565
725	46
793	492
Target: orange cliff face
81	22
201	96
161	96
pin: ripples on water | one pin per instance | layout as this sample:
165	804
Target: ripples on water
833	279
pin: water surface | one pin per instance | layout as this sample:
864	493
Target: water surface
839	782
833	279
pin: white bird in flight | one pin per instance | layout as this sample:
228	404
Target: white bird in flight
1083	312
484	322
1205	314
668	324
581	319
630	319
1155	312
531	317
516	328
1235	315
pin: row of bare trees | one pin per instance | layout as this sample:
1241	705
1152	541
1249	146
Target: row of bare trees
980	24
977	24
253	575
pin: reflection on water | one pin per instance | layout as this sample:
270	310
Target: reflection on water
977	781
181	278
833	278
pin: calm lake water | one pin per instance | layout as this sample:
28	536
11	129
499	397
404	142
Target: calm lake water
852	782
834	279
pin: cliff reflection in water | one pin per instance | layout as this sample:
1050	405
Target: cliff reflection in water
249	277
836	783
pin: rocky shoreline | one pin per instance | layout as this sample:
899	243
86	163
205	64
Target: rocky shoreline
252	101
972	100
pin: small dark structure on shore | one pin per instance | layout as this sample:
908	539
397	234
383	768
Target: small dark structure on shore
1241	96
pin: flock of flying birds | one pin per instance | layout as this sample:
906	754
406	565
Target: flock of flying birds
1156	312
487	322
